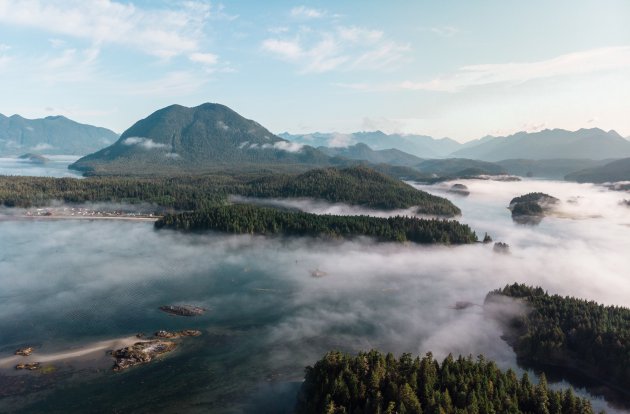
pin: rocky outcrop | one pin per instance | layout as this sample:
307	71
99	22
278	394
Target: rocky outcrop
171	335
31	366
25	351
141	353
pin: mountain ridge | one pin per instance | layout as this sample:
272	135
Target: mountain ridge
54	135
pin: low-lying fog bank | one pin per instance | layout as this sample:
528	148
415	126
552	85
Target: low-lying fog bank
268	317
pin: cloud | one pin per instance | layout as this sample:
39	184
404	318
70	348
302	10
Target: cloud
570	64
304	12
288	146
222	125
161	32
208	59
344	48
42	147
338	140
146	143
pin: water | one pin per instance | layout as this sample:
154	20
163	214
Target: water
67	284
56	166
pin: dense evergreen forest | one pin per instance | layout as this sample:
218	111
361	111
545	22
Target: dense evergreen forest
356	185
249	219
572	333
375	383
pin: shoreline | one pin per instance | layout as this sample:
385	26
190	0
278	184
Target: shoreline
89	351
18	218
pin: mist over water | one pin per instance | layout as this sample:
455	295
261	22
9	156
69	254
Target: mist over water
68	283
56	166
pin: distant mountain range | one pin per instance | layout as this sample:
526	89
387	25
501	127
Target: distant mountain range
618	170
364	153
421	146
51	135
182	139
548	144
594	144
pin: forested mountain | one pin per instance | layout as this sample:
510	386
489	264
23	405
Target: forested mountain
356	186
249	219
555	168
550	144
374	383
459	167
573	333
51	135
177	138
618	170
421	146
365	153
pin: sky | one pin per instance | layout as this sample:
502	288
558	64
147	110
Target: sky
458	69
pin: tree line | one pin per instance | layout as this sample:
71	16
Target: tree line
573	333
371	383
356	185
250	219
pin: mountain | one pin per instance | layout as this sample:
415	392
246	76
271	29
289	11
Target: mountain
459	167
365	153
549	144
555	168
618	170
55	135
178	138
419	145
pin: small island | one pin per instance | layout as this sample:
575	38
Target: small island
250	219
574	334
532	207
372	382
459	189
34	158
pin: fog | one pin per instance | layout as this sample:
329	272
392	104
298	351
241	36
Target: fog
64	283
56	166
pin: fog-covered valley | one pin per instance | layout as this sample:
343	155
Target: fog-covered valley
70	284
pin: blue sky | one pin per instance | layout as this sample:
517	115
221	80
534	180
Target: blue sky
461	69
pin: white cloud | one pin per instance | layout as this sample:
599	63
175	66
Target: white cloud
222	125
42	147
287	146
345	48
340	140
304	12
445	31
208	59
165	32
146	143
570	64
172	155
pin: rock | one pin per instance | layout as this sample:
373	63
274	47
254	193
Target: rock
141	353
24	351
32	366
170	335
460	305
500	247
183	310
318	273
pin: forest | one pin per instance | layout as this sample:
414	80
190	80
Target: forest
250	219
375	383
355	185
572	333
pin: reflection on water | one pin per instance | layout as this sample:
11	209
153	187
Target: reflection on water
65	284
